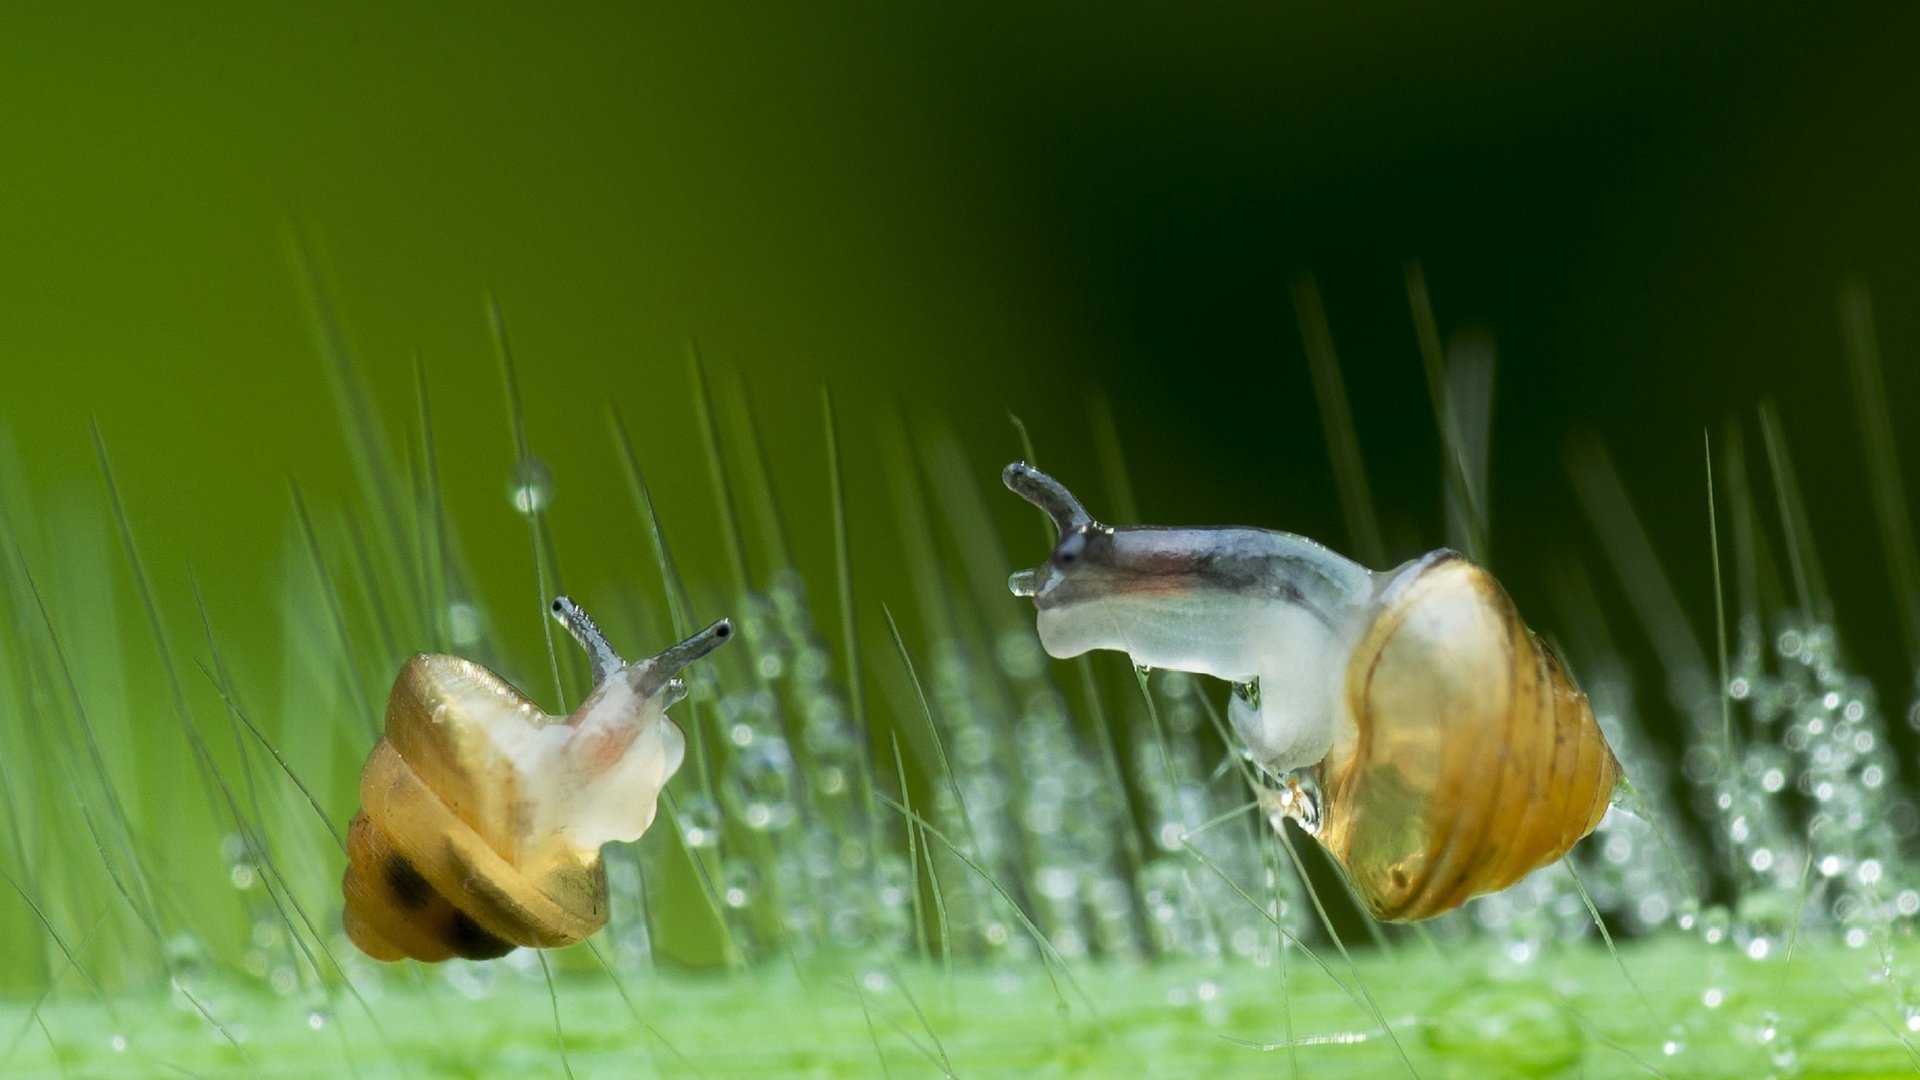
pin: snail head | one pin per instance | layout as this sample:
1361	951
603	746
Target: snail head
655	676
1080	537
619	749
1193	599
1087	571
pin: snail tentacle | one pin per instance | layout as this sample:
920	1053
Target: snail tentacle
1048	494
600	654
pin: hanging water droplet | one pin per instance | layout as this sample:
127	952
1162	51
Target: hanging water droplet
738	883
462	623
764	775
531	488
1055	882
699	818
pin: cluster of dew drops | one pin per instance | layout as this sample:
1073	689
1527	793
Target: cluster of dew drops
1114	847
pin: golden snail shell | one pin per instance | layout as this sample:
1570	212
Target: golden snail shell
1451	750
482	816
1469	758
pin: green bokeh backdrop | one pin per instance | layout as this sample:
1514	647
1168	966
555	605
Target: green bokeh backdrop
944	216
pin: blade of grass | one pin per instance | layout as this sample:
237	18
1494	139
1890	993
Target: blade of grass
1809	581
1883	463
1336	416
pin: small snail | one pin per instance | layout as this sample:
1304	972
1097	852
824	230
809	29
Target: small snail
1450	749
482	816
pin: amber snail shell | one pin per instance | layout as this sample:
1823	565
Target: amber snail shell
1467	758
1449	750
482	816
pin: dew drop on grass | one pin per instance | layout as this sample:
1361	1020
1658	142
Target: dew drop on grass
530	489
463	623
118	1042
738	883
318	1018
1676	1041
699	818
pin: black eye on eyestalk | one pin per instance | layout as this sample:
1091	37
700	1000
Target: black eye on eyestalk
1070	548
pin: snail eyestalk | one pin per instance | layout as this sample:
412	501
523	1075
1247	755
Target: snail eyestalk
659	674
600	654
1048	494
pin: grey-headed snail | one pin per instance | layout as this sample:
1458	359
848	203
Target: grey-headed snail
1451	751
482	816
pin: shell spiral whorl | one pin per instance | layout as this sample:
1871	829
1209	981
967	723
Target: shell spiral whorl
1467	758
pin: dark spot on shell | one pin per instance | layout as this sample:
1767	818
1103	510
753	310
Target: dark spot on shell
409	889
472	942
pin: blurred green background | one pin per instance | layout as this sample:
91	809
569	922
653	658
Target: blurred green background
946	215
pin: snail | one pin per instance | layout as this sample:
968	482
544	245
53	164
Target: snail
1451	752
482	816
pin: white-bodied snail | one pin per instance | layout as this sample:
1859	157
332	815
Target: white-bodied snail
1451	751
482	816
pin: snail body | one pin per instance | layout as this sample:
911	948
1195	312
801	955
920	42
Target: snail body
482	816
1451	751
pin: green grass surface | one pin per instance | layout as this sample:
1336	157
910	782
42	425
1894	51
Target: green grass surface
1458	1010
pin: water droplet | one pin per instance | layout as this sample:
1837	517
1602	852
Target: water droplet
463	623
1055	882
531	488
699	821
1713	925
1713	998
118	1043
318	1018
738	883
